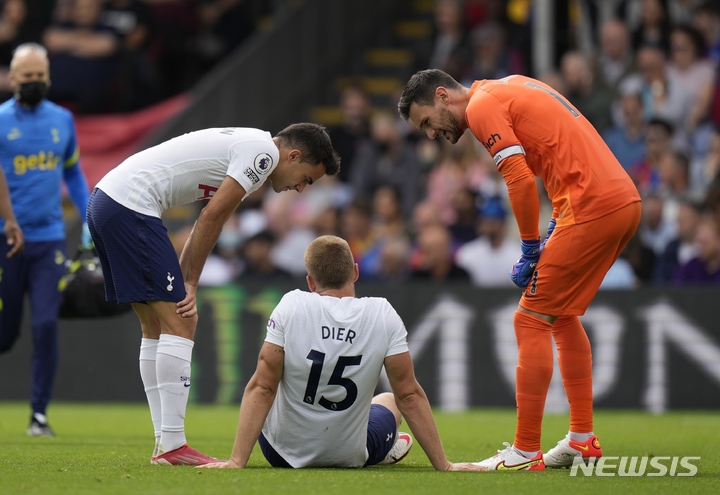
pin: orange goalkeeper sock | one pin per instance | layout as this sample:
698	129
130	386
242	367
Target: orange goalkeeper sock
533	375
575	359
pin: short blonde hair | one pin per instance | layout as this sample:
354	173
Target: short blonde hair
329	261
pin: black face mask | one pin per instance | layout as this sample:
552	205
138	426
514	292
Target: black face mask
32	93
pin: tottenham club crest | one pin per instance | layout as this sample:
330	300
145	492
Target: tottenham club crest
263	163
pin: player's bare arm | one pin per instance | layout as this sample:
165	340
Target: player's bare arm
256	402
415	408
203	237
12	229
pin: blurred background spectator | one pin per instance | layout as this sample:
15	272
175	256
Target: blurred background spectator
139	79
620	276
394	256
488	258
657	142
627	140
84	56
590	97
654	26
357	230
655	230
464	205
354	129
681	249
491	58
706	20
705	267
259	265
663	97
616	60
646	74
387	159
450	50
437	264
15	29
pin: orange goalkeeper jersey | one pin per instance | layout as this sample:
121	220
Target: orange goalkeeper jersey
518	115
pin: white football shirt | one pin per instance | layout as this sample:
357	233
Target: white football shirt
334	352
191	167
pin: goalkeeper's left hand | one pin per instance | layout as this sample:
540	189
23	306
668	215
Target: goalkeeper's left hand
551	227
522	271
86	239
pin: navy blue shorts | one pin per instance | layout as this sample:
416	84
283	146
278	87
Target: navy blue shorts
138	260
381	436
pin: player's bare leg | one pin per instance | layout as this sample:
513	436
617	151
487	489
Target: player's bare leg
387	399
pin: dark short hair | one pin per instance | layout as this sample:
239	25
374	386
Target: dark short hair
667	126
421	88
314	143
696	38
692	204
681	159
709	7
362	205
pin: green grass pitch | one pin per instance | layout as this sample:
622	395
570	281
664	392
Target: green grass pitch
105	449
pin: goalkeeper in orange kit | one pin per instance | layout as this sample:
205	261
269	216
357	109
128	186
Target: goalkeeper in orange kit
530	130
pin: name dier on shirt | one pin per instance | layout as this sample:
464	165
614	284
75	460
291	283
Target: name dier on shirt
339	333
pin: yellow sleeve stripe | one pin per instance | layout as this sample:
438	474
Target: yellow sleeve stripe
73	159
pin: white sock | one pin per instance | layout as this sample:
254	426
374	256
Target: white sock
148	351
580	437
173	376
525	453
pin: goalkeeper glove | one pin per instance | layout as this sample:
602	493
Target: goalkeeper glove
86	240
551	227
522	271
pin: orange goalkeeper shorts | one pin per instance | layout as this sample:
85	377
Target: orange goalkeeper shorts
575	260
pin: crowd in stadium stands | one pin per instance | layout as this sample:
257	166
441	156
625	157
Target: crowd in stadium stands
121	55
646	75
413	209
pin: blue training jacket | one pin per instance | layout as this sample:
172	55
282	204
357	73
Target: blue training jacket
38	149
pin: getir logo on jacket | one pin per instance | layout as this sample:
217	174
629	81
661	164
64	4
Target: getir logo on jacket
41	161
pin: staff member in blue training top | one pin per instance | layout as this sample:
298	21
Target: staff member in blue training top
38	149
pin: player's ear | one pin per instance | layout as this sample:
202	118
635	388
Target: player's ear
356	273
441	93
311	283
295	156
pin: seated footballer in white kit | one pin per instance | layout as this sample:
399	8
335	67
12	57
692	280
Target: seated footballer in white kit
139	263
310	402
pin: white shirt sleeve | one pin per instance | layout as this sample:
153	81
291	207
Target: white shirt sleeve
251	163
397	334
278	320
